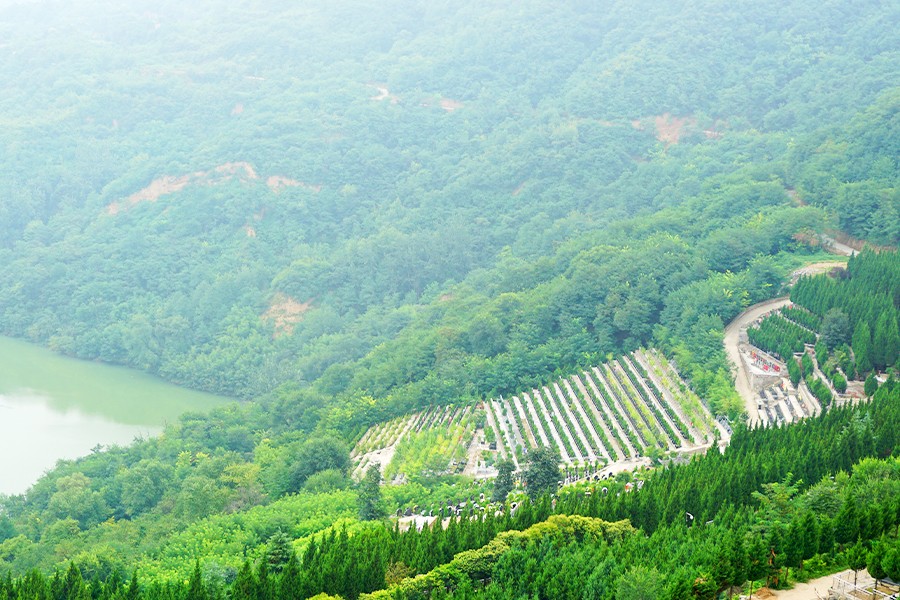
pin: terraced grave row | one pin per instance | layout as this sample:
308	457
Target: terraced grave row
624	409
434	441
615	411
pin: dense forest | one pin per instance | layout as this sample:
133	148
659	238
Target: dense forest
255	210
339	213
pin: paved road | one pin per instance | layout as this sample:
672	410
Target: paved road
742	381
732	331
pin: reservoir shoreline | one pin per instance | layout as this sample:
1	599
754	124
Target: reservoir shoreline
56	407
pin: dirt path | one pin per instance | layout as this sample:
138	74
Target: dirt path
573	421
614	388
811	590
654	426
523	419
526	400
838	248
505	411
473	454
540	404
610	416
586	420
816	268
498	431
732	340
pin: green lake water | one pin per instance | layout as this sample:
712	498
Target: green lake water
54	407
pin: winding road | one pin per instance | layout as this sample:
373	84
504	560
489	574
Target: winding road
743	320
732	340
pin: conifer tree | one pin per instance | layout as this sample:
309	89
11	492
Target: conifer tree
196	590
371	506
244	586
291	584
503	485
871	385
886	344
264	585
73	585
876	558
862	347
793	370
891	562
856	558
278	551
134	591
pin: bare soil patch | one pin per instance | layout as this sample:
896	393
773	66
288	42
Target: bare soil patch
841	239
168	184
450	105
277	183
446	104
285	312
794	195
383	94
519	189
817	269
669	129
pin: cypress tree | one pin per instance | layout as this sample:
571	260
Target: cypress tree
876	558
278	551
371	506
196	589
891	562
856	558
885	341
134	591
793	370
503	485
291	584
264	586
244	586
871	385
862	347
74	587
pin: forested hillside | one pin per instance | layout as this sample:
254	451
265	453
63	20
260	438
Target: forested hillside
238	198
347	212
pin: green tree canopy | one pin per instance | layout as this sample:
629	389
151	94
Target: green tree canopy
542	472
835	328
503	484
371	505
